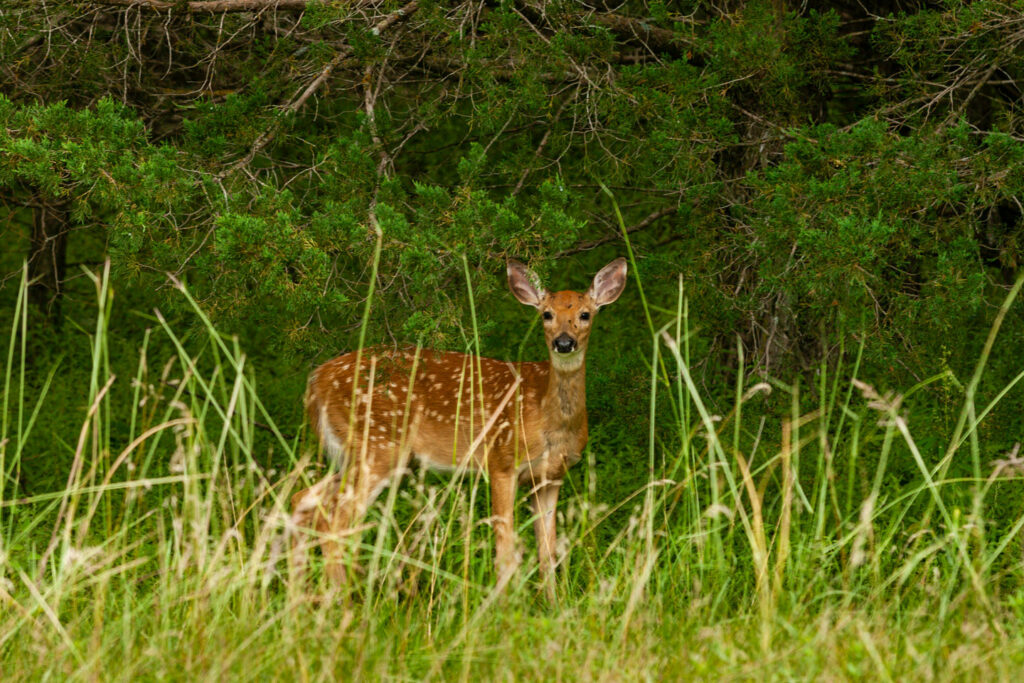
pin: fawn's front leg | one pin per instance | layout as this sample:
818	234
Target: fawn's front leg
545	500
503	496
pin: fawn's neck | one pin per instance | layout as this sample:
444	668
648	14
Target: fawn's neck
566	395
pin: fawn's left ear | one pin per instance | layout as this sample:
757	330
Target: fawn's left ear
608	283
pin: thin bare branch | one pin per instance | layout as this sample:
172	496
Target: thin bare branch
636	227
212	6
540	147
271	132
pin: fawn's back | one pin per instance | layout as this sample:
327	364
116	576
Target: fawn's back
446	409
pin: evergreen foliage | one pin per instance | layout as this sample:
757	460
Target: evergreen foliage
812	172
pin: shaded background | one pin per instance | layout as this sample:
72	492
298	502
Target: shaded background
815	176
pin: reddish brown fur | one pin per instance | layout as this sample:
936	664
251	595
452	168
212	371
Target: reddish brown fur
521	423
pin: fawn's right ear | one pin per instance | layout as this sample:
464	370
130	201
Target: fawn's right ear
525	284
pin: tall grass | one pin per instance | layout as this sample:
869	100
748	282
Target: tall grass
759	546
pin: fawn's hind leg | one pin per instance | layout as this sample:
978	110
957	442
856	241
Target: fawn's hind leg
332	509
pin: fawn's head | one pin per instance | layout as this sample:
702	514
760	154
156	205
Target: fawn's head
567	315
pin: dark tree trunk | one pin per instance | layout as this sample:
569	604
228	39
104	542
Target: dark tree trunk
47	258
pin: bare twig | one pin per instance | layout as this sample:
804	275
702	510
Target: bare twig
211	6
270	133
370	107
653	38
974	91
646	222
541	146
627	29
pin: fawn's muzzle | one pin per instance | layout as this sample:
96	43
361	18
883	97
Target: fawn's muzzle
563	343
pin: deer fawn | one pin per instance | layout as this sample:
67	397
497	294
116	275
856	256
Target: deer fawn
523	423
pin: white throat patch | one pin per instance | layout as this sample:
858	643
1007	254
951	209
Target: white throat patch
567	361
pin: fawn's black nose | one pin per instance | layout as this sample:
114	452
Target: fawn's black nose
564	343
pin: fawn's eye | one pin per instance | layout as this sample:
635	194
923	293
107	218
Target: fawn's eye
585	315
548	315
